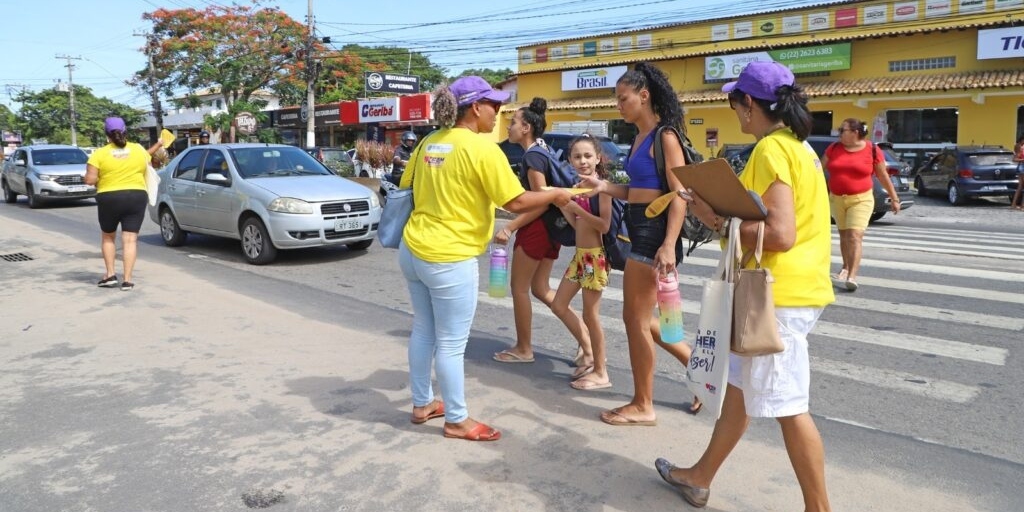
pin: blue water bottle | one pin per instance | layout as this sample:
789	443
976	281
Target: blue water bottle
499	272
670	309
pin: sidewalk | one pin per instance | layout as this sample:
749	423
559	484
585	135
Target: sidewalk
182	395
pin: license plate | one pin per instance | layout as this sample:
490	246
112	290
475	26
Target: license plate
78	188
347	224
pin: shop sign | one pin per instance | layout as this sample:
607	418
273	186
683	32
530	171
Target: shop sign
846	17
808	59
875	14
245	123
792	24
905	11
1008	4
1001	43
414	108
593	78
971	6
391	83
818	21
935	8
295	117
12	137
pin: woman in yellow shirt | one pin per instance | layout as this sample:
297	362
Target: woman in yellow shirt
458	178
119	172
797	242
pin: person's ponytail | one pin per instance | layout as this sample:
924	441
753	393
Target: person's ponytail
445	106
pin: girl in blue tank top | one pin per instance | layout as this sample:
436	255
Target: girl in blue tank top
646	99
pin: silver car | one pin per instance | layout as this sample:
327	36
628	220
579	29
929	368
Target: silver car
268	196
45	173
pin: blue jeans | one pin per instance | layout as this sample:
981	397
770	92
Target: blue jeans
444	297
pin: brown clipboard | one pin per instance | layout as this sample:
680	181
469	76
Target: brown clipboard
715	182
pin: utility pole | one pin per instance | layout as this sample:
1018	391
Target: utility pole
71	89
310	81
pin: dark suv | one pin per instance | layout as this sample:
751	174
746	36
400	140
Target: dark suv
560	142
899	174
962	172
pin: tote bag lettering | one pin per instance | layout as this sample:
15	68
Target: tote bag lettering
708	372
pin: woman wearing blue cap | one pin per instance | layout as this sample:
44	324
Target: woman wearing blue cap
783	170
118	170
457	177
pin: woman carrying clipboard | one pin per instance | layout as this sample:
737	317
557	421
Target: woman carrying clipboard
797	242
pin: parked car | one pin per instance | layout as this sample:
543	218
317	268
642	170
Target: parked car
336	159
559	142
963	172
728	151
268	196
899	174
45	173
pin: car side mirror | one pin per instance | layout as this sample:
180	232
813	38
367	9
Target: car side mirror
20	162
216	177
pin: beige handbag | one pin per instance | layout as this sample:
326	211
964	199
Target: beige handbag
754	329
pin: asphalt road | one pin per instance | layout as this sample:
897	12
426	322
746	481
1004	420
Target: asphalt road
943	410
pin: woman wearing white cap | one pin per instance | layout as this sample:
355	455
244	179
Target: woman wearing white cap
118	170
783	170
458	177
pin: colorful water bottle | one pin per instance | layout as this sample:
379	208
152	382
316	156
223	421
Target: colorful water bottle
499	272
670	309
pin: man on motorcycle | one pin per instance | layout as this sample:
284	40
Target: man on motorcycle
402	155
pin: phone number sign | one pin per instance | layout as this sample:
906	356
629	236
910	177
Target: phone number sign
809	59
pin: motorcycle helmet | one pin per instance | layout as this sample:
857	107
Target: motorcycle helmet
408	136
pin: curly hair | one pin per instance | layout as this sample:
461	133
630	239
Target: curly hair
446	109
601	170
664	100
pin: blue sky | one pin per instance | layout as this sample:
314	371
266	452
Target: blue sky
463	34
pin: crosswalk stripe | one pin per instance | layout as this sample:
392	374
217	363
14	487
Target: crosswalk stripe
901	265
950	233
896	380
910	342
910	246
1007	243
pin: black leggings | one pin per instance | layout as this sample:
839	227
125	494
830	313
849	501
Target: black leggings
125	207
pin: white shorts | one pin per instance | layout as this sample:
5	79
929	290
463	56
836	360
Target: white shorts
778	385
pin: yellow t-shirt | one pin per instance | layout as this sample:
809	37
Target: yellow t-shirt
120	168
459	178
801	273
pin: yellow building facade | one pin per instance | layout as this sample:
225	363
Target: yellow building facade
922	73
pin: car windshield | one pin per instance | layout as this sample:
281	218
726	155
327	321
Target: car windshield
981	159
338	161
262	162
59	157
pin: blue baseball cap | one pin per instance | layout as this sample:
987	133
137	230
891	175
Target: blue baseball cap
761	79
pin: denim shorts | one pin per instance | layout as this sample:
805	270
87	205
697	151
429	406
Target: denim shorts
646	235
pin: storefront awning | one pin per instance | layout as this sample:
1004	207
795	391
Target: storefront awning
964	81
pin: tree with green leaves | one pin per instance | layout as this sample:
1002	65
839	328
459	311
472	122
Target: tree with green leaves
47	115
234	50
493	76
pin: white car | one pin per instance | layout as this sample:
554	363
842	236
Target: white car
268	196
45	173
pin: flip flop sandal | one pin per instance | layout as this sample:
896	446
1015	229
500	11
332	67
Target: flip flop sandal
582	371
588	385
438	413
506	356
615	418
480	432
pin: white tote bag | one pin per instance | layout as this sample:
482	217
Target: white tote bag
708	373
152	184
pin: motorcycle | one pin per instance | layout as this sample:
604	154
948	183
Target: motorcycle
388	182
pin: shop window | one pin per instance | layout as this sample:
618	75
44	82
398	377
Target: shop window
922	64
822	123
928	125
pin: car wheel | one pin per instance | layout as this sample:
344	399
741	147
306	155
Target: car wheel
955	196
875	217
919	185
33	199
360	246
9	195
170	231
256	245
